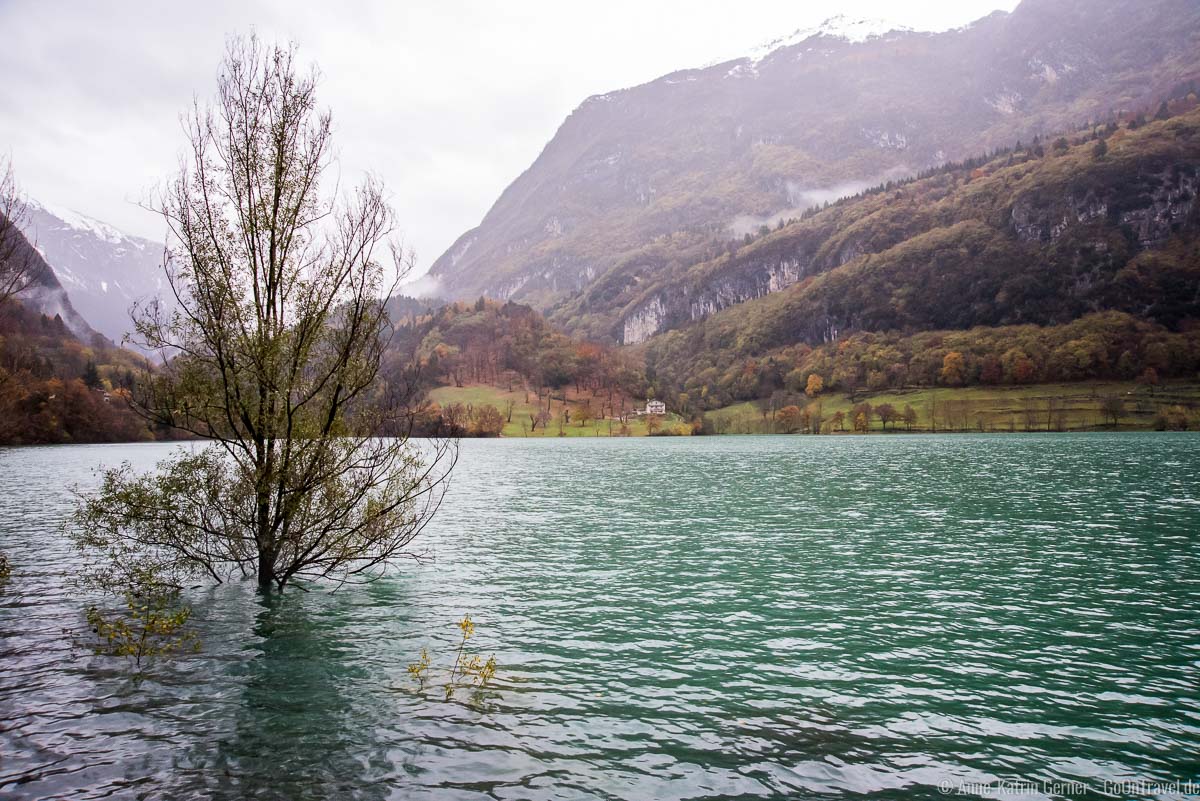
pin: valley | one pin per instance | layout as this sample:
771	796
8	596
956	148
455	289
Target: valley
815	423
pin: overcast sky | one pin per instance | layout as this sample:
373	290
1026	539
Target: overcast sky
447	101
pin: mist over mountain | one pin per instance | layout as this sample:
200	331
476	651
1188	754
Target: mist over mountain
639	182
44	294
104	270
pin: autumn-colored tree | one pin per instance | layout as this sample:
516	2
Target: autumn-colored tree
653	423
909	416
1174	418
1024	370
789	419
814	386
839	420
864	411
954	369
455	418
991	372
861	424
814	417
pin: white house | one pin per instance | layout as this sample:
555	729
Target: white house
655	407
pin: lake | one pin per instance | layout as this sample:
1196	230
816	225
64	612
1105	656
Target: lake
723	617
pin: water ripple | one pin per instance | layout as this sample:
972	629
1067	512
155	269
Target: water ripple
674	619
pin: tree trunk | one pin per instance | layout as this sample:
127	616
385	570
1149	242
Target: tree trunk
266	571
266	548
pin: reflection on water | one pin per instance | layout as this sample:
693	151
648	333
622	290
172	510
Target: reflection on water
710	618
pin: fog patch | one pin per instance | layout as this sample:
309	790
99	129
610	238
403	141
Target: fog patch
750	224
802	198
423	286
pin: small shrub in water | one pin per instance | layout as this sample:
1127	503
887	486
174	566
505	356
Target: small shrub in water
152	625
469	670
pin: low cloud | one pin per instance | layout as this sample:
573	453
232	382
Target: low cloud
425	286
802	198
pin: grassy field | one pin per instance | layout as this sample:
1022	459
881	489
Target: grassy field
524	404
1040	407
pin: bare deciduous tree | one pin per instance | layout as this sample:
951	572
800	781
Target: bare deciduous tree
279	334
16	257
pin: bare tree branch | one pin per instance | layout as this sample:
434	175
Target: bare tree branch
279	335
16	255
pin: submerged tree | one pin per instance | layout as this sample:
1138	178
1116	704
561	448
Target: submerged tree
271	354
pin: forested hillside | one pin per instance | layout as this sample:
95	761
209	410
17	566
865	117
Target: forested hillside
105	271
56	389
42	291
1044	233
1094	238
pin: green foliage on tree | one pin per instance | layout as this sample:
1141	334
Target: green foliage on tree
152	623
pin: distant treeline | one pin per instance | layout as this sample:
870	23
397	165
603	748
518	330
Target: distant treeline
1107	345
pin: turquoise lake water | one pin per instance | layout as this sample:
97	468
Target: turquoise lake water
724	617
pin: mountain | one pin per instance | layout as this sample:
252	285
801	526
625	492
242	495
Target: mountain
60	380
1076	259
44	294
1034	235
640	182
104	270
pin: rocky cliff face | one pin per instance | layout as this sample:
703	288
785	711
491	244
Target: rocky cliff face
737	281
1171	201
1151	210
751	139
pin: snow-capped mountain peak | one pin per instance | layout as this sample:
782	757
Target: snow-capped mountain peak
846	28
104	270
82	222
855	29
843	27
